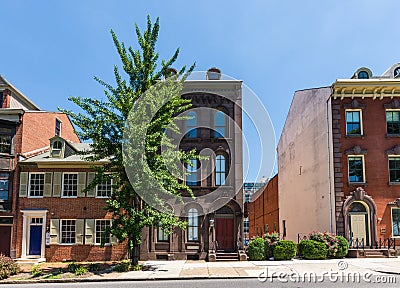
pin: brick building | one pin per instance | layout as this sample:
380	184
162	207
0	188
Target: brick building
339	159
58	220
24	131
263	210
219	131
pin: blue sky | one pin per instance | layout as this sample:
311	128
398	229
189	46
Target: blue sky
52	49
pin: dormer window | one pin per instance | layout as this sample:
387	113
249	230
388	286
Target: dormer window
56	149
213	74
363	75
396	72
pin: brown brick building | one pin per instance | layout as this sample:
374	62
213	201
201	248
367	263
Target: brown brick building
263	210
57	220
339	159
24	131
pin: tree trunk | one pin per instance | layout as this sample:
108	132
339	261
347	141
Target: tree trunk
135	254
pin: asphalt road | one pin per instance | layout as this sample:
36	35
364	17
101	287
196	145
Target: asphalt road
222	283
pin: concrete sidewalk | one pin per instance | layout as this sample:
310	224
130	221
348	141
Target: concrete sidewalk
254	269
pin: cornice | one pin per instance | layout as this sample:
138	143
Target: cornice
366	88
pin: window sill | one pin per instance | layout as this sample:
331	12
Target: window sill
69	197
394	184
362	136
358	184
392	135
35	197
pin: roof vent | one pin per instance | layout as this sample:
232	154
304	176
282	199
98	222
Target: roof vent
213	74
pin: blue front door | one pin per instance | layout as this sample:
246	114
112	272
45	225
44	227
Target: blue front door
35	241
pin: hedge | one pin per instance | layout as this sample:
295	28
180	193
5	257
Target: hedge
313	250
284	250
256	249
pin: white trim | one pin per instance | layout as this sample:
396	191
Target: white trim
60	233
29	184
62	185
95	232
27	215
348	168
391	221
361	121
104	197
390	110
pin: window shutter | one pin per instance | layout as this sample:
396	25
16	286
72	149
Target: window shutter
57	184
113	239
54	231
48	179
90	193
23	184
89	231
81	183
79	226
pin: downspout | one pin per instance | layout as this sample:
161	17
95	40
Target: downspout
329	164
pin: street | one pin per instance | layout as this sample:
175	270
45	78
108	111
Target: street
201	283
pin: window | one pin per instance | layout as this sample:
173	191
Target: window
191	124
396	72
104	189
246	226
396	222
394	169
247	197
5	139
56	149
162	235
1	98
393	122
4	177
353	122
101	229
193	225
219	124
68	231
70	184
58	128
356	169
220	170
191	177
36	184
363	75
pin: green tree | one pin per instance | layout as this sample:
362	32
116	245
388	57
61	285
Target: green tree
106	122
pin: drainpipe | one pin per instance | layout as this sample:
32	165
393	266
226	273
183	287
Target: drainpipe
329	164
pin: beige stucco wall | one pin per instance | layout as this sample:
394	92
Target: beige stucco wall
303	163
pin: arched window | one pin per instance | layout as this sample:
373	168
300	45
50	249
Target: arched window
191	169
220	172
193	225
56	149
363	75
191	124
219	124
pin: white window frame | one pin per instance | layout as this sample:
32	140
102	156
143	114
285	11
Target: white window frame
29	183
391	157
348	168
61	232
106	197
62	184
165	235
361	121
95	232
391	221
197	226
390	110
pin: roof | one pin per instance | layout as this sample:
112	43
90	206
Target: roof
5	84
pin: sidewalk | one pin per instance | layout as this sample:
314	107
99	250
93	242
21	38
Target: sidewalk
181	269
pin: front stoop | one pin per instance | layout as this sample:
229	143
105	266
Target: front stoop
372	253
29	261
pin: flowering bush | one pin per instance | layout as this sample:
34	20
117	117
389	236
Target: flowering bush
7	267
270	240
337	245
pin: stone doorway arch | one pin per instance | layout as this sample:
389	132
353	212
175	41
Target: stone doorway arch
360	196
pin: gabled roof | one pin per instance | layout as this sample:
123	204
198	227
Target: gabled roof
5	84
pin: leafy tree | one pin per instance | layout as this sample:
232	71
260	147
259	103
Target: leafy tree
105	122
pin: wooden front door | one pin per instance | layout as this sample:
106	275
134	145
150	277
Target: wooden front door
5	236
358	227
225	234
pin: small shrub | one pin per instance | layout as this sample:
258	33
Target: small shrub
36	271
124	266
80	270
256	249
313	250
137	267
7	267
269	240
284	250
94	267
72	267
343	247
329	239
